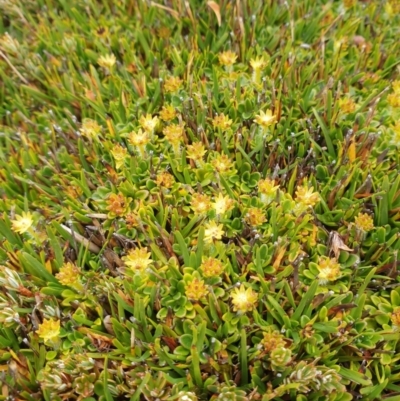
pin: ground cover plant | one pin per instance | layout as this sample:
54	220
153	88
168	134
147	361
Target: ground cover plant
199	200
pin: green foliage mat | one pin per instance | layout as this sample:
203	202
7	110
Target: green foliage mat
199	200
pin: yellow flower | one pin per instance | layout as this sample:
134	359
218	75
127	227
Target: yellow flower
119	154
395	318
118	205
212	267
165	179
222	204
227	58
196	151
213	232
265	119
174	133
258	63
172	84
148	123
347	105
394	99
329	269
49	330
222	163
69	275
22	223
255	216
243	300
196	289
272	341
306	197
138	259
267	190
139	140
168	113
101	32
90	128
364	222
222	121
396	84
107	61
200	203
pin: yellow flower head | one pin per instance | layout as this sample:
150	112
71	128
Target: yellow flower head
329	270
107	61
68	274
148	123
213	232
101	31
227	58
265	119
222	163
168	113
165	179
117	205
258	63
200	203
196	289
396	85
395	317
243	300
139	140
138	259
272	340
306	197
394	99
212	267
255	216
90	128
174	133
222	121
172	84
196	151
22	223
347	105
49	330
364	222
119	154
267	190
222	204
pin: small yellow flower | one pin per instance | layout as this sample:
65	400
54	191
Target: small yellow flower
200	203
196	151
227	58
168	113
172	84
196	289
255	216
222	204
265	119
119	154
139	140
148	123
90	128
165	179
243	300
212	267
306	197
69	274
22	223
118	205
267	190
396	84
329	270
222	121
347	105
394	99
174	133
272	340
395	318
258	63
138	259
222	163
364	222
49	330
213	232
107	61
101	32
